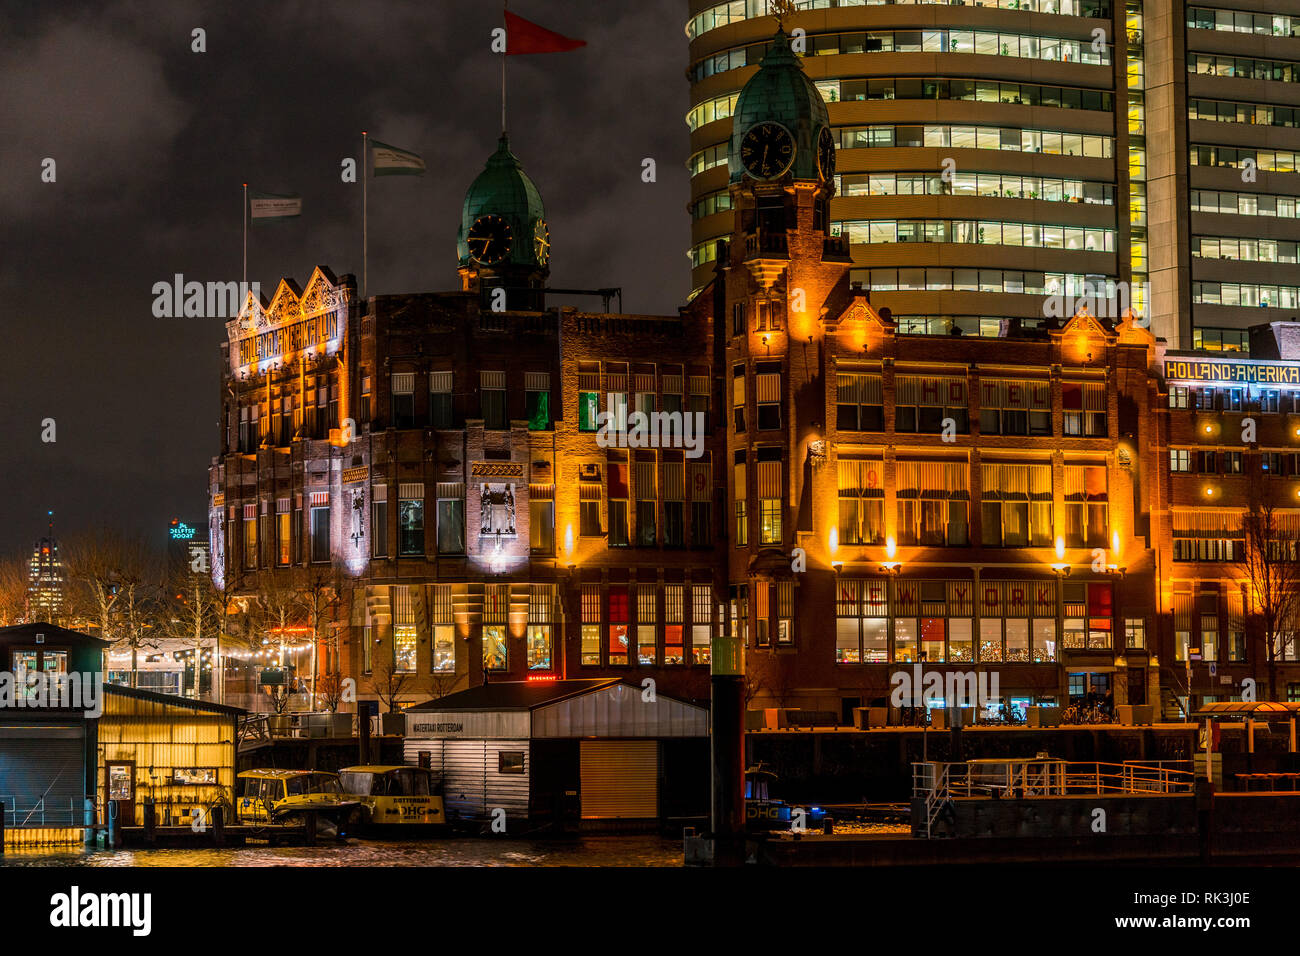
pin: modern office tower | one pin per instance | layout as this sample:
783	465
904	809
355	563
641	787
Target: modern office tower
981	178
45	580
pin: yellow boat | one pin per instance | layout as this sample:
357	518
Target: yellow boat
285	797
395	797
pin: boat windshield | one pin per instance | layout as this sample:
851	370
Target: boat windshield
313	783
411	783
357	782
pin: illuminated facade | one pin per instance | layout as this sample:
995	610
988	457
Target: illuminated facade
982	149
46	581
475	477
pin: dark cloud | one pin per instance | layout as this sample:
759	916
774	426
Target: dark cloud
153	141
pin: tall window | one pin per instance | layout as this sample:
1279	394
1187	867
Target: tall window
862	625
492	400
440	403
379	520
494	647
366	397
618	625
647	623
589	509
541	602
250	536
591	625
444	630
741	500
541	519
616	397
1016	505
402	386
451	517
405	637
859	403
1086	519
674	505
700	400
699	487
701	623
283	532
320	527
537	400
588	395
1014	407
932	499
674	623
769	496
1084	409
767	387
738	397
647	500
618	497
925	403
410	519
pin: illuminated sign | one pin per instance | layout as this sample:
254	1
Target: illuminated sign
541	678
289	338
1229	372
180	531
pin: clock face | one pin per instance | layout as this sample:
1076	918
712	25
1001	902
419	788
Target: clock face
542	242
826	154
767	150
489	240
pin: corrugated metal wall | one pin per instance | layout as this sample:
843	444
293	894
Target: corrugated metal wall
472	784
620	711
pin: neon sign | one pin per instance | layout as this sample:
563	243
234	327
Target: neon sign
1230	372
180	531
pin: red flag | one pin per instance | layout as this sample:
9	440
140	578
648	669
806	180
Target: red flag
524	36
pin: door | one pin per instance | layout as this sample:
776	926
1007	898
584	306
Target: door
43	775
620	779
119	782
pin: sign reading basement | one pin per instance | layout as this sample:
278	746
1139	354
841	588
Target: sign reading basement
1231	372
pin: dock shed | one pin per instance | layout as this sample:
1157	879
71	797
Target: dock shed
570	752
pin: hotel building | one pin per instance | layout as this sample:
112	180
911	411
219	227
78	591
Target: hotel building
860	496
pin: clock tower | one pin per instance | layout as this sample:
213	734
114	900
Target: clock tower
503	240
783	271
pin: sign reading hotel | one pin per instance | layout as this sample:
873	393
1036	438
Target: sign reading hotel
289	326
1229	372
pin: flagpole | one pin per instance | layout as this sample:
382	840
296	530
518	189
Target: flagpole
505	4
365	262
245	235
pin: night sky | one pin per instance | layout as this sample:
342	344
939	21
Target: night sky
152	142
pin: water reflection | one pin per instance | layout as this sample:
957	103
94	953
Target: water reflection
642	850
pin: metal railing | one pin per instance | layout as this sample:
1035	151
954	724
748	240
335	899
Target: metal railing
263	728
45	812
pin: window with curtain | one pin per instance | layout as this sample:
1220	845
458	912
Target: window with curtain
440	408
861	501
932	503
401	395
1015	407
1086	507
590	649
859	403
924	403
1016	505
618	624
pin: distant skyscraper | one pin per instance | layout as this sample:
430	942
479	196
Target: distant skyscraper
45	580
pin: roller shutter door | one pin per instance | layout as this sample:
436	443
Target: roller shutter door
43	762
620	779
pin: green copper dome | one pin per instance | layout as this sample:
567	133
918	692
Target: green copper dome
503	189
780	92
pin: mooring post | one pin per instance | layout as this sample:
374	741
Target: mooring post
88	823
727	745
1205	818
150	821
218	815
311	828
114	826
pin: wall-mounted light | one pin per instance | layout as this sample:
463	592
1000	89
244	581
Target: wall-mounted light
1060	548
891	548
833	539
568	540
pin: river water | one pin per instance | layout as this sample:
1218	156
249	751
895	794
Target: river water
641	850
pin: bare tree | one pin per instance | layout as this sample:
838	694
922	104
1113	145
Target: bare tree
320	597
329	690
13	590
194	613
389	683
1269	557
116	580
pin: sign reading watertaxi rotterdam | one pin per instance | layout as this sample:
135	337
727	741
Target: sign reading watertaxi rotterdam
1228	371
292	325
